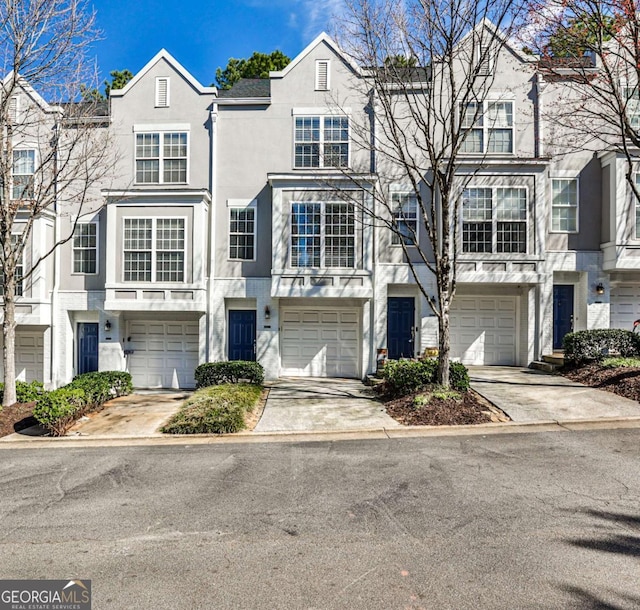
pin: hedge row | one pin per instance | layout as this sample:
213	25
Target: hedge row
217	409
590	345
58	409
407	376
234	371
25	392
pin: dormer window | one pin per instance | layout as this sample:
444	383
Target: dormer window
162	92
322	74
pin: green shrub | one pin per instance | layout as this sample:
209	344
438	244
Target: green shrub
58	409
234	371
458	376
217	409
103	385
589	345
443	394
25	392
407	376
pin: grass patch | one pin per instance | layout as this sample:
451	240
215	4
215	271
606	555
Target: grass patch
217	409
620	362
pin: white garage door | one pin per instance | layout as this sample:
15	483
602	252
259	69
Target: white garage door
29	355
483	330
165	354
319	343
625	305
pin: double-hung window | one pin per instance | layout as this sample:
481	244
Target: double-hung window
322	235
242	233
494	220
632	101
19	270
405	218
85	248
24	161
161	158
321	141
154	249
564	205
487	127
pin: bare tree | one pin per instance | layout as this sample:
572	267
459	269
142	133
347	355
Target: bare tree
52	151
427	69
590	59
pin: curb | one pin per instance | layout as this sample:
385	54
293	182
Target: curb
15	442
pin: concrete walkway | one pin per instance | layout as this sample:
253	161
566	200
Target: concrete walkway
527	395
312	405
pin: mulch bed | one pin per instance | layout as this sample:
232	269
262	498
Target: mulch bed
624	381
470	409
16	417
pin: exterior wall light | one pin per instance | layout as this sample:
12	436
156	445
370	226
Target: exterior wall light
267	313
107	326
600	289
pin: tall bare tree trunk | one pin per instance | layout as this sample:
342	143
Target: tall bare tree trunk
9	337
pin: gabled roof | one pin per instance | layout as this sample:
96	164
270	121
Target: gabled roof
175	64
31	92
322	38
500	35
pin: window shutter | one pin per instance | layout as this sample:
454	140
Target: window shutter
162	92
322	75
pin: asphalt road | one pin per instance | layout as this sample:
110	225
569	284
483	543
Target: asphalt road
548	520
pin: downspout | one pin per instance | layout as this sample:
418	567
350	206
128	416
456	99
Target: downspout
56	266
213	172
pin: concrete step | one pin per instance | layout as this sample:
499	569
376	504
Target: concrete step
557	359
547	367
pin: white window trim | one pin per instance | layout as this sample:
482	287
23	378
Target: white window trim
35	166
73	248
405	191
321	142
161	130
237	204
157	92
494	221
317	79
636	207
323	207
491	99
577	180
154	225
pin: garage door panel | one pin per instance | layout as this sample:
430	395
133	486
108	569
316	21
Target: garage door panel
625	305
483	330
319	343
165	354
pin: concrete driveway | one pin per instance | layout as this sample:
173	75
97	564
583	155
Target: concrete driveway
311	405
527	395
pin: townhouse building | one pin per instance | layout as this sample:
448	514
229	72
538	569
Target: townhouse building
234	228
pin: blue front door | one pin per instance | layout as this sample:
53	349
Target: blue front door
87	347
400	321
562	313
242	334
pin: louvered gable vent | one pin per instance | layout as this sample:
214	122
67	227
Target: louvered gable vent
162	92
322	75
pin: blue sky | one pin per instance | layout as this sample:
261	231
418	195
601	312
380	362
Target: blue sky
203	35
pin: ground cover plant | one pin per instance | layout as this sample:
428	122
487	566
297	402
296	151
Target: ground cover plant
590	360
218	409
412	397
